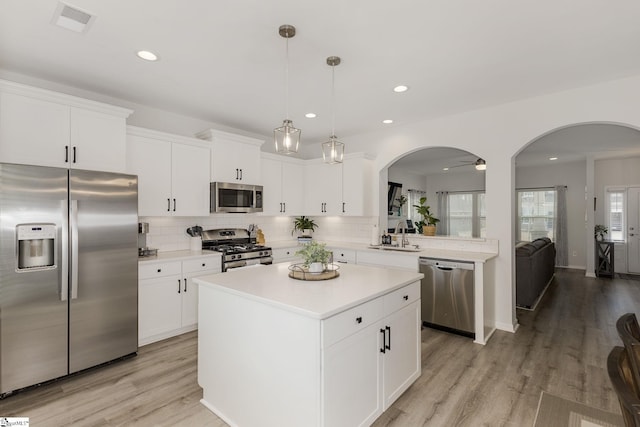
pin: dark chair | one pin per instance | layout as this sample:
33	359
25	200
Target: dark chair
622	380
629	332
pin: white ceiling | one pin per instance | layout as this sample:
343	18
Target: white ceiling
223	61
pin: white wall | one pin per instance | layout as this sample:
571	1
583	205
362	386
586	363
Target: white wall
574	176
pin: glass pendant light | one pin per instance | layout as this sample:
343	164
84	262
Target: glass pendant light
287	137
333	150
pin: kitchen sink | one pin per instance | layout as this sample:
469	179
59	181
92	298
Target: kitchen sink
395	248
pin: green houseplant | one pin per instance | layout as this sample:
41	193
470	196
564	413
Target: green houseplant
427	225
315	256
303	223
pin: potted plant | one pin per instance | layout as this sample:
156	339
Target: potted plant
427	225
305	226
599	231
402	200
315	255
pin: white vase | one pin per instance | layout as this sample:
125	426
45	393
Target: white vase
316	267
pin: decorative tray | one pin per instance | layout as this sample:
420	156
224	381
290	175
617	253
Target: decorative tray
300	272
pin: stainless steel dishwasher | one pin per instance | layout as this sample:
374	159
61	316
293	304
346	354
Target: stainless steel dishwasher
447	295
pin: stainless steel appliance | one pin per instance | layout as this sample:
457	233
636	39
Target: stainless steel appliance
447	295
68	272
235	198
238	247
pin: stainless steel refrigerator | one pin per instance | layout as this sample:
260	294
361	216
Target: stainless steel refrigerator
68	272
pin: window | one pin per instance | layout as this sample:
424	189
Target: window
467	215
615	202
536	214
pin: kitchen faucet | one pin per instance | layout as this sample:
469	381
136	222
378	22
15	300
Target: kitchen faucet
401	224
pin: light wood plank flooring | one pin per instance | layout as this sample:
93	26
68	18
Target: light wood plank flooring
561	348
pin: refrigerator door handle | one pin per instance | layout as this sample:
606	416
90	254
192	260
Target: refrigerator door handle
73	226
64	256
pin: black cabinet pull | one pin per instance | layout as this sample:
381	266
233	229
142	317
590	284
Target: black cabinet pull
237	173
358	320
179	285
406	297
284	207
174	205
388	328
159	270
168	205
343	203
384	340
74	154
203	264
66	154
185	284
240	174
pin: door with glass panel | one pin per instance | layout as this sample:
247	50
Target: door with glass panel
633	230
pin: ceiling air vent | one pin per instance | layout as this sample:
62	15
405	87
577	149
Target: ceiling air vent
72	18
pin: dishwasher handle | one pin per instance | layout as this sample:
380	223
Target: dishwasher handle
447	265
441	267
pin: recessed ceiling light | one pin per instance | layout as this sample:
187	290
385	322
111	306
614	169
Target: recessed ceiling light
387	121
445	169
310	115
400	89
553	158
147	55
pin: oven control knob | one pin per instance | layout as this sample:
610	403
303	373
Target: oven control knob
233	257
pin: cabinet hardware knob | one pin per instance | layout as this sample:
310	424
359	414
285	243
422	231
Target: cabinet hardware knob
203	264
179	285
159	270
358	319
406	297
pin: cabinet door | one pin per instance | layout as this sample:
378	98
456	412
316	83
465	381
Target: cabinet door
99	141
293	189
357	187
150	159
248	161
189	180
272	187
402	359
352	379
323	189
189	301
159	306
33	131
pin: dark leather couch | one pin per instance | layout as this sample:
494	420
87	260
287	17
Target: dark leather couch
535	266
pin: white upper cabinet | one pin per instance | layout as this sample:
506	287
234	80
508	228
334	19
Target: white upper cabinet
358	185
173	173
323	189
45	128
234	158
283	182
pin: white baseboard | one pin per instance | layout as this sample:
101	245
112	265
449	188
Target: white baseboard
508	327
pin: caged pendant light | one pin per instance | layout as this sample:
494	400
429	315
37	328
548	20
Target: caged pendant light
287	137
333	150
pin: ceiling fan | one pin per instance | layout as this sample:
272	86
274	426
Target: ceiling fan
479	164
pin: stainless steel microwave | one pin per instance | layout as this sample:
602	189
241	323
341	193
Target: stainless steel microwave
235	198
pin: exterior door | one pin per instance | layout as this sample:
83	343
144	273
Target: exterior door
633	230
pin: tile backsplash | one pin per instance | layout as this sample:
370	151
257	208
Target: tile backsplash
169	233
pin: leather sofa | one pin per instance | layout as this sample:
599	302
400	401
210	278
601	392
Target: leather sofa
535	266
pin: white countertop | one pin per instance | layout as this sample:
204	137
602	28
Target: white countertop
449	254
321	299
179	256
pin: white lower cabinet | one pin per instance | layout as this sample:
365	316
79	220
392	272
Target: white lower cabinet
365	372
168	298
285	254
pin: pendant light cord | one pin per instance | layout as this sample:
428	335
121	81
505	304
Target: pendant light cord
333	100
286	78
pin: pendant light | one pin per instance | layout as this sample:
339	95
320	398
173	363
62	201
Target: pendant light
333	150
287	137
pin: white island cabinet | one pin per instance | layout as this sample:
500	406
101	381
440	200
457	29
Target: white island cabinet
275	351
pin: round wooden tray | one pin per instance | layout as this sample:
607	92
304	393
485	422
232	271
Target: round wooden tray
299	272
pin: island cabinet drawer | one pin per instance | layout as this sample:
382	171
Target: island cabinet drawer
213	263
149	271
349	322
284	254
401	298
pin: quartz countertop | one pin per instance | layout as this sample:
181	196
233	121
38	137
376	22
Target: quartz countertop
321	299
179	255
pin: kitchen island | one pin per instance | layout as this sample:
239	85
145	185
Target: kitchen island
275	351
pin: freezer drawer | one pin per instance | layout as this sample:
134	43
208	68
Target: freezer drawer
447	295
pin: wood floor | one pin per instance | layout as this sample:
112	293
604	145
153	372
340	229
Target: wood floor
560	348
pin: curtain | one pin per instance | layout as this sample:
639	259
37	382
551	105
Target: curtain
413	199
560	226
442	228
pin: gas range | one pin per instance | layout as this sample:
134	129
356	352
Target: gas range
239	249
